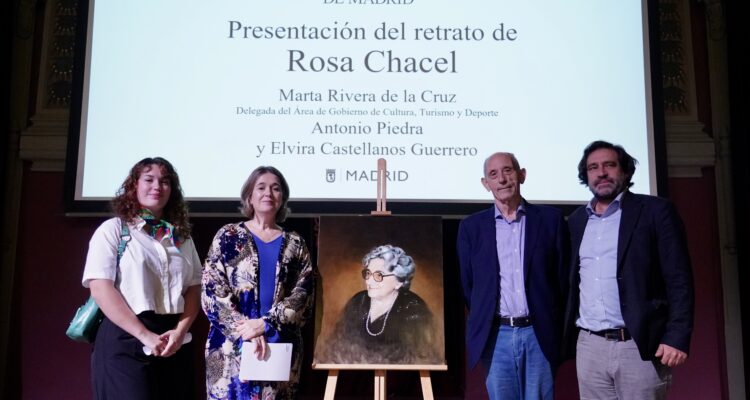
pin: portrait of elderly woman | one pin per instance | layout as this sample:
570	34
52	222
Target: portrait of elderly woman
386	323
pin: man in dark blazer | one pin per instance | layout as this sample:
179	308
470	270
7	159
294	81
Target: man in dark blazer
630	310
513	263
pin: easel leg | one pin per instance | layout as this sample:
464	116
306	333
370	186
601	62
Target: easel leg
424	378
380	384
333	376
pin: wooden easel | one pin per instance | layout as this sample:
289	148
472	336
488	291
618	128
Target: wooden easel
379	380
380	370
380	208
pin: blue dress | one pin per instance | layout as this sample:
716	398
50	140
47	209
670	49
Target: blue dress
268	254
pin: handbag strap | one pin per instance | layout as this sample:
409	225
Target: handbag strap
124	239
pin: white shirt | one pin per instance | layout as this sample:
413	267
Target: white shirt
153	275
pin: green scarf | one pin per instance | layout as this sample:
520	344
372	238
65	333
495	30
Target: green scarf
159	228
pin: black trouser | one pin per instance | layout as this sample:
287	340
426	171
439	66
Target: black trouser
120	370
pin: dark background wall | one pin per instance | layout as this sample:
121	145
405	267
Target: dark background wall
738	33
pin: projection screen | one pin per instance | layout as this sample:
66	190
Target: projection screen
323	89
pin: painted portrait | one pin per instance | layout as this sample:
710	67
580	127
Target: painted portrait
381	292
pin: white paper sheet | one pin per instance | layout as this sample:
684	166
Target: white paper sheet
275	367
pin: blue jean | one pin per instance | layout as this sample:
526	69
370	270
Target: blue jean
515	366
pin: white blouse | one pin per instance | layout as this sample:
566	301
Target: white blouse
153	275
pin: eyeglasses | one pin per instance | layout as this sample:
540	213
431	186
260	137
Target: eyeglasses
377	275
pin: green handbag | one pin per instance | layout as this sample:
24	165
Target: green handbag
86	322
88	317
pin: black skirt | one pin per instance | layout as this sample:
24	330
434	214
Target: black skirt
120	369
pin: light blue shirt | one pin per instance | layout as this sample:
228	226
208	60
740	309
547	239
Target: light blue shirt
509	239
600	298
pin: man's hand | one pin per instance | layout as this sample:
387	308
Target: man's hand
670	356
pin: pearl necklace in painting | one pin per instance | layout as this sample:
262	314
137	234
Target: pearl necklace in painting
385	320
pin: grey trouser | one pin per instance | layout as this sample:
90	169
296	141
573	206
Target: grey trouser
610	369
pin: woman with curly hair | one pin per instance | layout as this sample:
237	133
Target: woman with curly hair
257	287
151	295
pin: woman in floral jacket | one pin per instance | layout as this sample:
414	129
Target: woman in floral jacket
258	286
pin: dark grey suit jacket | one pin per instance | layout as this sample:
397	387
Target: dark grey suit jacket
654	276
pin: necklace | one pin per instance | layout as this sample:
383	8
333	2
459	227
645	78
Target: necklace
385	319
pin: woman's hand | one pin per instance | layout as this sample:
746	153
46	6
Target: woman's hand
252	330
154	342
260	347
173	340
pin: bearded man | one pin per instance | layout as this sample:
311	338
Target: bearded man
629	316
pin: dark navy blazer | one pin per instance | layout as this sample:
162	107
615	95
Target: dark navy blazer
545	263
654	276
